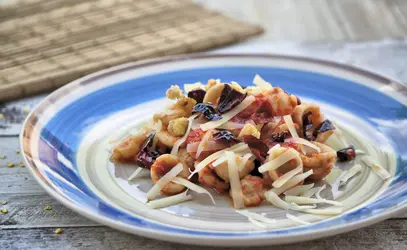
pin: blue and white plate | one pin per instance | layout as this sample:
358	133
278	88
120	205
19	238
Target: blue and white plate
67	138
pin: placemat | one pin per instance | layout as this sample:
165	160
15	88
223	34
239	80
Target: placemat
46	44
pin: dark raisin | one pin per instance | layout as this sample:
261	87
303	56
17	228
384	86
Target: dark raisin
346	154
197	94
208	110
146	157
229	99
323	127
255	171
225	137
307	125
257	146
279	137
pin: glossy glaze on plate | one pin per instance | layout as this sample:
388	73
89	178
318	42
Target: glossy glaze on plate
66	141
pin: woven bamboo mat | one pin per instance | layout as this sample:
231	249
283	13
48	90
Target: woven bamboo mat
46	44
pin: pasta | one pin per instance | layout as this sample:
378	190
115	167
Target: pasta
252	143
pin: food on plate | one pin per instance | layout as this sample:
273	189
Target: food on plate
255	144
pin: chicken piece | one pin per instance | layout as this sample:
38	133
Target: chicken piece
128	149
253	190
208	178
222	169
321	163
162	165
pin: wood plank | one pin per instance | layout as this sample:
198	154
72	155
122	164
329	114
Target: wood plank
385	235
27	211
320	20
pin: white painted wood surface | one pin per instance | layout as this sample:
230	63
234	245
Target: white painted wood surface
320	20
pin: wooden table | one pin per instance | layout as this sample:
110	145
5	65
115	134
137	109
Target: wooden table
28	226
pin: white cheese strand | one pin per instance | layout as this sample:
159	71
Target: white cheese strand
177	144
235	148
244	160
279	161
257	217
229	115
360	152
169	201
304	142
325	211
318	193
299	190
351	172
290	124
292	182
276	201
158	126
274	148
261	83
287	176
379	170
296	219
333	176
204	143
310	192
167	178
193	187
235	186
193	86
134	175
306	201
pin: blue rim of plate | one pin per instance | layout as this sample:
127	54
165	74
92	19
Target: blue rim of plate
156	230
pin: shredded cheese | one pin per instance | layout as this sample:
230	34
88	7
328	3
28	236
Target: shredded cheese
292	182
351	172
318	193
211	145
177	144
304	142
306	201
167	178
279	161
193	86
261	83
296	219
311	192
193	187
379	170
171	200
301	208
235	148
229	115
257	217
360	152
333	176
277	201
158	126
287	176
273	148
299	190
219	161
290	124
235	186
231	125
134	175
204	142
325	211
245	158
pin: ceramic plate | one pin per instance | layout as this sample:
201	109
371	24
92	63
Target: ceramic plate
66	142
